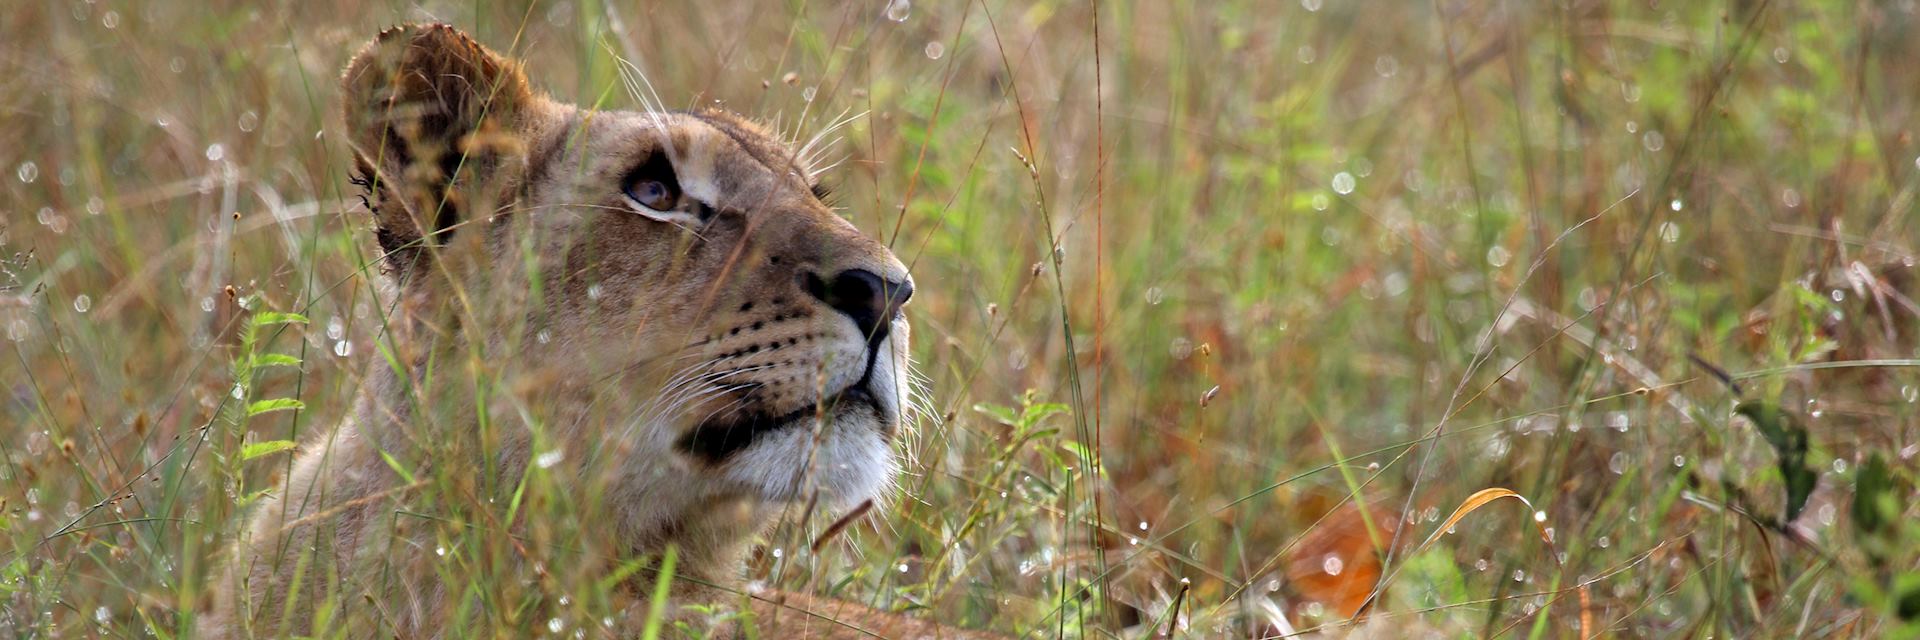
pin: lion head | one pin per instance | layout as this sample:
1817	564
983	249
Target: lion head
676	276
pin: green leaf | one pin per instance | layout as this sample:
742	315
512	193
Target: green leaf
404	473
274	404
275	360
1003	415
270	447
1790	444
265	318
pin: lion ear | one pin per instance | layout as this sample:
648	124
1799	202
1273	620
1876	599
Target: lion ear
433	118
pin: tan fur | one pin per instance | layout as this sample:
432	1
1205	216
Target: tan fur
613	334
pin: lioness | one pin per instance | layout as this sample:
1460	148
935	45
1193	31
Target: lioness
656	308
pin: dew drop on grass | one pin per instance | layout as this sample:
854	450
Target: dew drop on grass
206	304
1386	66
1143	525
898	10
1910	393
1310	5
102	615
935	50
1519	575
1498	256
342	348
547	459
1618	463
81	303
1480	565
1343	183
556	625
1155	295
1305	54
1676	205
1604	542
1653	141
249	121
808	93
903	567
440	551
216	152
335	328
1321	202
1332	564
110	20
1791	198
1781	55
1679	461
778	552
27	172
1839	465
1669	232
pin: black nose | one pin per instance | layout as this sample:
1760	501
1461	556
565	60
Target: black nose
868	299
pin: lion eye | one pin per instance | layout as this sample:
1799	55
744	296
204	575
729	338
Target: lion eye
654	194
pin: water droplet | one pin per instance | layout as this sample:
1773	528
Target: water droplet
1781	55
898	10
1790	197
935	50
336	329
440	551
249	121
342	348
1310	5
808	93
1498	256
1155	295
1618	463
778	552
102	615
1332	564
1839	465
177	65
28	172
1343	183
1539	516
1386	66
110	20
1653	141
1480	565
1519	575
594	291
1669	232
548	459
1305	54
216	151
1321	202
544	336
903	567
1838	295
1679	461
81	303
556	625
1910	393
1604	542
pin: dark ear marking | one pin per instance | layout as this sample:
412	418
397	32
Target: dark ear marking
434	118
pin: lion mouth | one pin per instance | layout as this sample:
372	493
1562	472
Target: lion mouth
720	437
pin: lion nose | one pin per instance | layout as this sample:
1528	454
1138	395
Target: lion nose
865	297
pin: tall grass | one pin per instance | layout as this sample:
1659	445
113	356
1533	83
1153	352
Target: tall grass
1224	311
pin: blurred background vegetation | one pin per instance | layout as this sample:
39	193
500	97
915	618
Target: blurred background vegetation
1229	308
